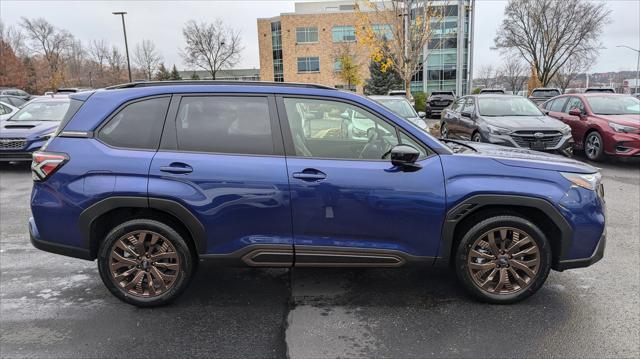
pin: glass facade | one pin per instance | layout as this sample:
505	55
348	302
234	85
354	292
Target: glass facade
276	47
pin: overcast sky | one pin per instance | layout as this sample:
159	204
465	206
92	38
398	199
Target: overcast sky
162	21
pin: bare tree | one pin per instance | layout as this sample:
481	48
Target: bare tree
49	41
514	73
116	62
487	76
547	33
570	71
211	46
146	57
14	38
409	31
75	59
99	52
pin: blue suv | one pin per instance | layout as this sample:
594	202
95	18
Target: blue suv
151	178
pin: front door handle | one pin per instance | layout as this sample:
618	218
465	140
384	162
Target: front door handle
177	167
310	175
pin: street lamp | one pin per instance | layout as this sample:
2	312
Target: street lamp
637	65
126	46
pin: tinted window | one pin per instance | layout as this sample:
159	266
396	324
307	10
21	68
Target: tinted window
507	106
4	110
457	106
574	102
224	124
557	105
545	93
43	110
138	125
331	129
74	106
614	105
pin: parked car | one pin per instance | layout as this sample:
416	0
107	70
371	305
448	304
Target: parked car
438	101
505	120
150	179
6	110
636	95
599	89
10	91
495	91
14	101
66	90
602	124
540	95
401	107
402	93
30	127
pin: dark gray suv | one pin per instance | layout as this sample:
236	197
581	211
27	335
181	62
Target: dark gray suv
505	120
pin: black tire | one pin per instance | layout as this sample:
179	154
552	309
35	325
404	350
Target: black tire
484	226
476	137
594	147
444	131
184	268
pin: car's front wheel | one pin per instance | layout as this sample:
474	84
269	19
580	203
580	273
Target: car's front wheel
503	259
444	130
477	137
594	146
145	262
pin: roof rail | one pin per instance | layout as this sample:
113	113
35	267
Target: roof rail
216	82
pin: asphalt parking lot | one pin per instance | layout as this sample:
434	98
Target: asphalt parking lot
54	306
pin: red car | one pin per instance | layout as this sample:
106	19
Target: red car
602	124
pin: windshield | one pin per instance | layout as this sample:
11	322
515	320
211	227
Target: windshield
401	108
614	105
507	106
545	93
42	111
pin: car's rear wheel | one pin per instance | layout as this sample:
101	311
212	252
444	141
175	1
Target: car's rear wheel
503	259
444	130
145	262
594	146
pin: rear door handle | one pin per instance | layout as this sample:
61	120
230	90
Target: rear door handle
310	175
177	167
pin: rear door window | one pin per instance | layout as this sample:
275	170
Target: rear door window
224	124
138	125
574	102
557	105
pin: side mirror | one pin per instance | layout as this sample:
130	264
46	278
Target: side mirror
405	156
345	116
422	114
575	112
466	114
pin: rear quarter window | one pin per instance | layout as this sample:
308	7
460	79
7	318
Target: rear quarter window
137	125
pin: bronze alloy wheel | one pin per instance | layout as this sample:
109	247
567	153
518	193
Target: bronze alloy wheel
144	264
504	260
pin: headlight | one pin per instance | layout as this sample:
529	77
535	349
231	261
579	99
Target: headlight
498	130
622	128
589	181
565	130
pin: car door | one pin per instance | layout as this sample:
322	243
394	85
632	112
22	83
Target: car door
221	157
350	206
467	122
578	124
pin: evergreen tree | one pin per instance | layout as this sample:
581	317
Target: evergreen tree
175	75
163	74
379	81
195	76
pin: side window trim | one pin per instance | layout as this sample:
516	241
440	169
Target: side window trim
288	140
169	138
114	113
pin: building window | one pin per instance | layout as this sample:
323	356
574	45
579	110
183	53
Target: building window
306	34
383	31
344	33
276	41
308	64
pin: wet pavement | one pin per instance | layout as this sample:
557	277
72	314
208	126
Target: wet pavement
53	306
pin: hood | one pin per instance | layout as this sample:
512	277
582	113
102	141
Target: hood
627	120
520	157
525	122
11	129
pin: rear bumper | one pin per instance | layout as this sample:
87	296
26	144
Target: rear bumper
53	247
597	255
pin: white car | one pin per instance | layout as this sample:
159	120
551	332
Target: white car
7	110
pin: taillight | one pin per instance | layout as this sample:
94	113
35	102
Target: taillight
45	163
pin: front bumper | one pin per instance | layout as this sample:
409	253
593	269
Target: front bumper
623	145
597	255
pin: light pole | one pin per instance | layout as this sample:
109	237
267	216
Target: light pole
126	46
637	65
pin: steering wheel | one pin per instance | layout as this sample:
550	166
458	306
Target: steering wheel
377	143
